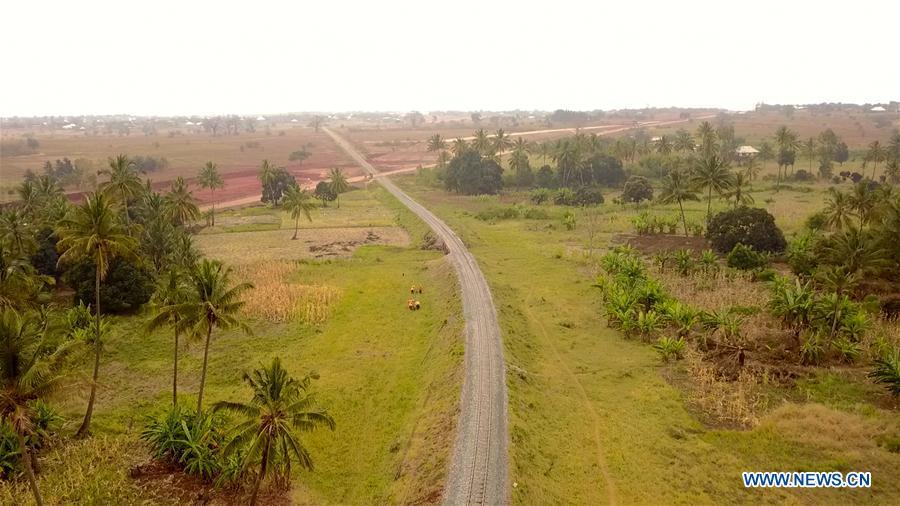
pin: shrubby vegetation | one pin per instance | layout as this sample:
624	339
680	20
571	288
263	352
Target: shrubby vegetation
751	227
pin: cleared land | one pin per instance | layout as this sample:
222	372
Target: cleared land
389	376
595	418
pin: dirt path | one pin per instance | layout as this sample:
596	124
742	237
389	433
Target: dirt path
478	465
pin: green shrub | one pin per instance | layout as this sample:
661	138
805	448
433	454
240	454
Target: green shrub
533	213
848	350
801	256
539	195
637	189
669	348
564	197
588	196
126	288
498	213
745	258
886	371
568	220
752	227
187	439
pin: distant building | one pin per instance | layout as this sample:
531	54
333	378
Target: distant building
877	108
746	151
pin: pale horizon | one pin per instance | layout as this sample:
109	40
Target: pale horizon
206	58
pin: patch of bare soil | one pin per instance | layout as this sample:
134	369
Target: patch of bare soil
650	244
166	481
342	248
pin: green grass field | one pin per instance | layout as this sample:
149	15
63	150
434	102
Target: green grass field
390	377
593	418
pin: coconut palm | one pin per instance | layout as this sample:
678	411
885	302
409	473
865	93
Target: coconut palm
29	198
20	284
502	142
875	154
93	232
266	173
739	191
752	168
857	249
567	160
31	364
838	210
180	204
338	183
436	143
714	175
459	147
123	183
677	188
299	203
17	233
706	136
210	179
281	407
171	292
786	139
866	202
808	150
684	141
214	302
664	145
482	142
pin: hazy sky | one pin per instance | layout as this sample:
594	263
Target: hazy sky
165	57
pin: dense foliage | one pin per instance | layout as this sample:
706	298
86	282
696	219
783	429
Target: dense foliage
470	173
751	227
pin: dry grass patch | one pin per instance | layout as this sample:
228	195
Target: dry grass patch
275	299
731	401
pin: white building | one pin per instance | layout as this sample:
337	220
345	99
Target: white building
746	151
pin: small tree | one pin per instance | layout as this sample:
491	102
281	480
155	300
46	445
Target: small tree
338	183
748	226
324	193
210	179
637	189
299	203
473	174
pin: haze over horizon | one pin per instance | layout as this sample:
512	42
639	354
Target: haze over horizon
203	58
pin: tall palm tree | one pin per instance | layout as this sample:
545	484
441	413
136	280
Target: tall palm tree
15	231
123	183
436	143
210	179
502	142
299	203
31	363
280	407
677	188
567	160
214	302
838	210
684	141
171	292
714	175
20	284
706	135
875	154
338	183
738	191
808	149
752	168
266	173
857	249
786	139
459	147
664	145
93	232
865	203
29	198
482	142
180	204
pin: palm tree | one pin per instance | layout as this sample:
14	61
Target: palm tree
502	142
857	249
875	154
838	210
214	302
20	285
180	205
676	188
266	173
123	183
865	202
93	232
808	150
707	136
210	179
786	140
567	160
459	147
738	191
766	153
436	143
171	292
752	168
664	145
339	183
299	203
482	142
15	231
684	141
31	361
280	406
29	198
713	174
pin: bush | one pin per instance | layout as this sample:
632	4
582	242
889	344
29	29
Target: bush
887	372
568	220
606	170
545	178
745	258
564	197
539	195
126	288
532	213
324	193
588	195
45	258
802	175
471	174
801	256
637	189
752	227
498	213
187	439
669	348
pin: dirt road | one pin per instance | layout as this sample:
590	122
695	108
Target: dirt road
478	465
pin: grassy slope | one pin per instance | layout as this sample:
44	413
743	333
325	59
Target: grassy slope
593	420
390	378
